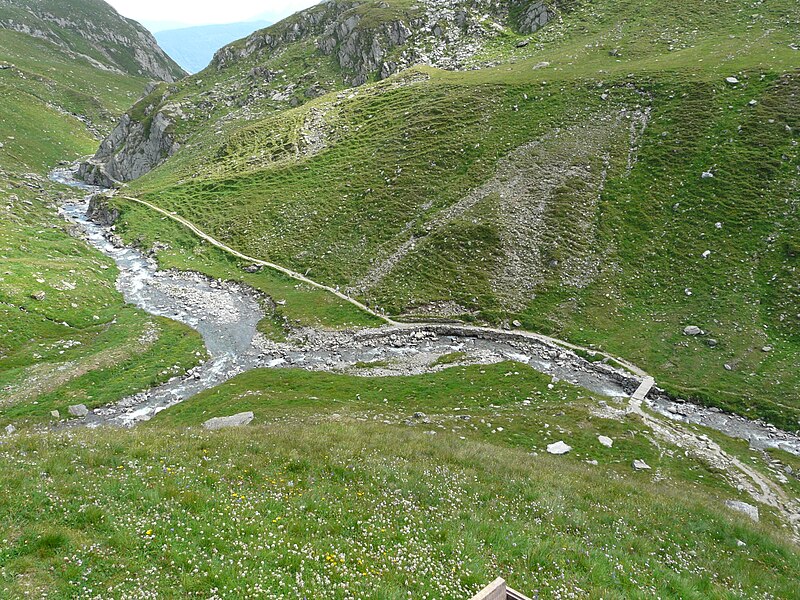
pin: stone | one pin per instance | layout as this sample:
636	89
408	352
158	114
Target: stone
516	323
640	465
744	508
728	367
55	414
10	429
101	212
558	448
605	440
237	420
522	43
38	295
753	102
692	330
766	349
78	410
712	343
252	268
132	149
315	91
732	80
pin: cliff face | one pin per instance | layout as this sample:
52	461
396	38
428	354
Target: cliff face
93	30
333	45
374	40
131	150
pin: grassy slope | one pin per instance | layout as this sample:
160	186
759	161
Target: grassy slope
398	153
315	497
81	344
301	305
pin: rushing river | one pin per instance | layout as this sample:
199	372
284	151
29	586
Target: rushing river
226	314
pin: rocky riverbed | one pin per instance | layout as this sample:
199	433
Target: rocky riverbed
226	314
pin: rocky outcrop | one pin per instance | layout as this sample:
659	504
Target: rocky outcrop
531	16
133	149
304	24
92	31
101	212
441	33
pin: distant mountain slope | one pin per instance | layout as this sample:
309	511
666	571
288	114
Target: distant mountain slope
91	29
194	47
330	46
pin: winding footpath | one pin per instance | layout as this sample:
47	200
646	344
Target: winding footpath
302	278
257	261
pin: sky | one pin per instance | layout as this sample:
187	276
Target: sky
169	14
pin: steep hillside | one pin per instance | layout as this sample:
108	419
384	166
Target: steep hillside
68	337
560	177
92	31
194	47
331	46
622	174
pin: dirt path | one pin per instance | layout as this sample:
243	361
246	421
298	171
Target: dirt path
257	261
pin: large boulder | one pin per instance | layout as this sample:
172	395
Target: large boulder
232	421
744	508
605	440
101	212
78	410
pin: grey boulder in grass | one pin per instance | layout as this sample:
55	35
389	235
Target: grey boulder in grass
237	420
78	410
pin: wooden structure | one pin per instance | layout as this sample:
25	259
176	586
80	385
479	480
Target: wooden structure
498	590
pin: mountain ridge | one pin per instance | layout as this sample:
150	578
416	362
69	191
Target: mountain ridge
349	43
93	30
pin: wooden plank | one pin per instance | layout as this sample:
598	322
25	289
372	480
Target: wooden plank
515	595
644	387
494	591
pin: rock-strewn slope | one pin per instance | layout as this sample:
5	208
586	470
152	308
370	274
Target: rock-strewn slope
94	31
374	39
333	45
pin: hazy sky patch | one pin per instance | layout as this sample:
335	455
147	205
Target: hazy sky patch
168	14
